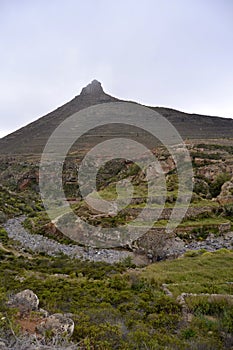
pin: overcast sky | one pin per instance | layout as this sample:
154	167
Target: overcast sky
173	53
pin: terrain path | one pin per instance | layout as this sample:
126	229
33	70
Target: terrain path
41	244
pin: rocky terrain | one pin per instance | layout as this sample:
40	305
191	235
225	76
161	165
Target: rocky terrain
164	289
40	244
207	223
173	247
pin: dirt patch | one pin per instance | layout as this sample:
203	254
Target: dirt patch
29	322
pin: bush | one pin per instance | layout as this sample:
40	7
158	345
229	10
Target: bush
216	185
3	236
188	333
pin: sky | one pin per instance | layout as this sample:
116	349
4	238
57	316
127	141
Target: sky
172	53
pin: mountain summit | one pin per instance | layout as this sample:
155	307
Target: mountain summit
94	88
32	138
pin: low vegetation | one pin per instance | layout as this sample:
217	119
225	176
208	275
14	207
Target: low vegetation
117	308
121	306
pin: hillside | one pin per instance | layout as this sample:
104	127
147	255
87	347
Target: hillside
157	290
32	138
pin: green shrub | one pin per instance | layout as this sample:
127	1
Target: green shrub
188	333
216	185
3	236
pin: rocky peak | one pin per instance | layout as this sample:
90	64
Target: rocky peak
94	88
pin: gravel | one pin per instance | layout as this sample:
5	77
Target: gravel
41	244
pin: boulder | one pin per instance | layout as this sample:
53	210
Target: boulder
173	248
226	195
58	324
26	300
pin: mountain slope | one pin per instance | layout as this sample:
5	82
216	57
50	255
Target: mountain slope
32	138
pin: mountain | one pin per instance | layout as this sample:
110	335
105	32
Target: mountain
32	138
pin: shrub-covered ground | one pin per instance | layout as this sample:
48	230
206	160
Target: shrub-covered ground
123	307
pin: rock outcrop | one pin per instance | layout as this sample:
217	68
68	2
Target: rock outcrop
29	180
94	88
26	301
226	195
57	324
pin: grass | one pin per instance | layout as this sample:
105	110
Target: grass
204	222
204	273
200	222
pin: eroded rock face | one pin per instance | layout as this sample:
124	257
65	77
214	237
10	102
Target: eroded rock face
26	300
173	247
212	171
29	180
201	187
226	195
58	324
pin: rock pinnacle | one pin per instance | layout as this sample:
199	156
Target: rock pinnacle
94	88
